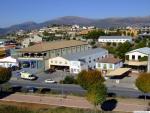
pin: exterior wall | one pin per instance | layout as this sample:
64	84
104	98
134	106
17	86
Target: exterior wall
58	61
38	64
108	66
91	59
136	54
46	65
35	38
105	66
114	40
75	67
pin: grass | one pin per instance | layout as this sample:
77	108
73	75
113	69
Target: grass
15	107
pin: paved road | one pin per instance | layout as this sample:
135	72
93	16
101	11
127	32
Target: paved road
76	89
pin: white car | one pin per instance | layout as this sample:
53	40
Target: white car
50	81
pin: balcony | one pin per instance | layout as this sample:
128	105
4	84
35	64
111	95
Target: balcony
135	63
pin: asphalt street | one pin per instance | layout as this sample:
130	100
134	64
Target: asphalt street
76	89
125	88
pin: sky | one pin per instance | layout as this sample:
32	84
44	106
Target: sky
19	11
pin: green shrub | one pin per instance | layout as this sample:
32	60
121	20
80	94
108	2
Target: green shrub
145	58
5	75
69	80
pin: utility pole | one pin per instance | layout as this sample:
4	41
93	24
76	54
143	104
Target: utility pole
148	64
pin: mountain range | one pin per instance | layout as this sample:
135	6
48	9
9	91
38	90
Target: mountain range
70	20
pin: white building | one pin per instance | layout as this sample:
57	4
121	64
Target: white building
138	58
8	62
79	61
35	38
115	39
136	54
108	64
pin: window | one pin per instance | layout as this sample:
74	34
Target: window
104	66
90	61
45	54
99	65
133	57
94	60
110	65
51	61
139	57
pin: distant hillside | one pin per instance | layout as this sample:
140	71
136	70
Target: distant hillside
70	20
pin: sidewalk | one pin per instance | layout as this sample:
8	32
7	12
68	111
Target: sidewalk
71	101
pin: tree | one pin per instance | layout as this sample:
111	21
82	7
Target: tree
122	49
5	75
94	34
69	80
97	94
143	82
87	78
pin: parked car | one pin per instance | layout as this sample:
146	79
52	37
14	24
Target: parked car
31	89
50	70
27	76
50	81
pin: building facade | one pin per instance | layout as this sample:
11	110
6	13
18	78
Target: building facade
114	39
109	64
36	57
137	59
77	62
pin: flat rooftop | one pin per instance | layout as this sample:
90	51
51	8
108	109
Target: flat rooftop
46	46
144	50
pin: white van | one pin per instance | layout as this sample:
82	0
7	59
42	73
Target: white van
27	76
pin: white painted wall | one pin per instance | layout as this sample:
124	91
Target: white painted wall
114	40
136	55
114	66
27	41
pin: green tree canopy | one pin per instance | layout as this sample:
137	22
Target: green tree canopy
87	78
122	49
97	93
5	75
94	34
143	82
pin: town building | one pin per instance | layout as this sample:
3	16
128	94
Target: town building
137	59
36	58
79	61
114	39
108	64
35	39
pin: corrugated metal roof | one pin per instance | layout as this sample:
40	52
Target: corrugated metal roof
45	46
145	50
80	55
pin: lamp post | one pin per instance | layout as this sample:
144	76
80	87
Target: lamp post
148	64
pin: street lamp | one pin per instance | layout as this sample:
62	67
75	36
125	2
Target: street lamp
148	64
